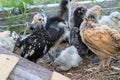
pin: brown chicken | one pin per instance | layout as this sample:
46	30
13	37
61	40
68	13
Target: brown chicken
100	39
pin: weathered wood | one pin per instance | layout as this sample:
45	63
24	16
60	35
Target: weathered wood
27	70
58	76
7	64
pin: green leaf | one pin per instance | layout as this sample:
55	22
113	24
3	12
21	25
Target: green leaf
28	1
8	27
119	4
93	3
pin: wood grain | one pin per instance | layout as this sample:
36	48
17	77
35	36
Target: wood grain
7	64
58	76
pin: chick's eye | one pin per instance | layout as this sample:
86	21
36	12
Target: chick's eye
116	17
64	22
40	19
57	65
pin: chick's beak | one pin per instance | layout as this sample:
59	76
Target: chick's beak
33	22
35	19
119	18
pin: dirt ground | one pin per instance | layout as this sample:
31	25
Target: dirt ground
87	69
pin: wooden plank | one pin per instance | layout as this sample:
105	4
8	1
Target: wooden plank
7	63
27	70
58	76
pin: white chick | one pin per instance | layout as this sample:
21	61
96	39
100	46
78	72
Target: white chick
67	59
5	34
111	20
7	43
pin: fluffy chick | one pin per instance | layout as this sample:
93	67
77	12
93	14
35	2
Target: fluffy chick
67	59
100	39
5	34
46	34
75	39
7	41
112	20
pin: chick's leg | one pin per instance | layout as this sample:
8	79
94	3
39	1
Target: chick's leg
100	67
107	63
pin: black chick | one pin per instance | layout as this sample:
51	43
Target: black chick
75	39
45	32
35	45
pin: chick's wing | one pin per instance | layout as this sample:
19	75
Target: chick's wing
99	38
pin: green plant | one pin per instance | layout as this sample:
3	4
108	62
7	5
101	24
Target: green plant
93	3
118	5
18	7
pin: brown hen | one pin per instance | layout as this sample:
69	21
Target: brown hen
100	39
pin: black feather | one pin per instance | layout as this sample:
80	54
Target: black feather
35	42
75	40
